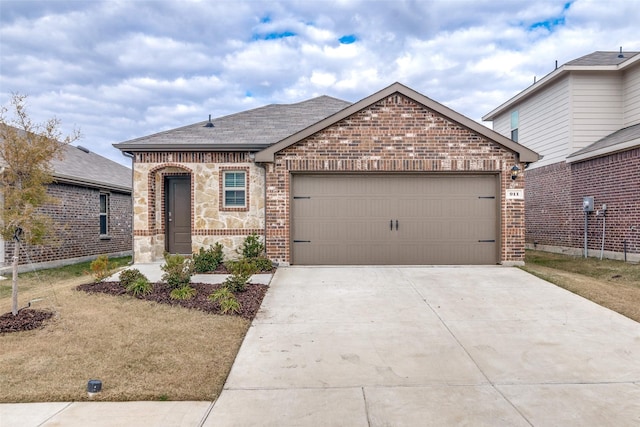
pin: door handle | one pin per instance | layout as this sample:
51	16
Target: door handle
396	225
391	224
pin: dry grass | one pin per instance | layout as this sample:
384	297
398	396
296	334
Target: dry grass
139	350
612	284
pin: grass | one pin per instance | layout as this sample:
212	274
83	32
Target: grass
610	283
139	350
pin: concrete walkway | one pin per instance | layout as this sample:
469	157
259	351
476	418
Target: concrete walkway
385	346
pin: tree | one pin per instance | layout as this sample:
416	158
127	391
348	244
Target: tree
26	152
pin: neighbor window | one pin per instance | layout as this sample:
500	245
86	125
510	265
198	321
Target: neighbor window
515	119
104	214
234	189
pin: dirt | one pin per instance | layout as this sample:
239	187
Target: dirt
250	300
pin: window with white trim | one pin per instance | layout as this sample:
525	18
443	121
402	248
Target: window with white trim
104	214
234	189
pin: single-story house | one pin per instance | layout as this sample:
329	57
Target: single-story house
395	178
93	215
584	119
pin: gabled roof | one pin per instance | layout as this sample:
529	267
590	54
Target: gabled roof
525	154
248	130
596	61
623	139
84	168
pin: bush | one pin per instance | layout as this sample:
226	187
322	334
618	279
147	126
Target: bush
208	259
241	271
227	300
140	286
101	268
252	247
262	264
177	270
127	277
183	293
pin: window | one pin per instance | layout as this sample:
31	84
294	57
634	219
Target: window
234	189
515	119
104	214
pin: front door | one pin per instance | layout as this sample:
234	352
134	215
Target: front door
178	214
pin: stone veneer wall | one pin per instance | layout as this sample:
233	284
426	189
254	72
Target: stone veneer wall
391	136
76	218
209	223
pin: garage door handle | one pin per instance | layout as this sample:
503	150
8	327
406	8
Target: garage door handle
391	224
396	225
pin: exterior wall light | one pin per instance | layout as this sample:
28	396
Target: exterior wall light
515	171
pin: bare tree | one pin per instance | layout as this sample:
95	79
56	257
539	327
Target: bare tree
26	152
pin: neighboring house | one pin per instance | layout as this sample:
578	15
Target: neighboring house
584	119
395	178
93	214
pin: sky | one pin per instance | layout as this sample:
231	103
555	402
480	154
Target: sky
117	70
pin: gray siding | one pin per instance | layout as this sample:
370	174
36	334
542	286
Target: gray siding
631	96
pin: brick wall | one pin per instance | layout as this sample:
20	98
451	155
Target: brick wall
554	203
391	136
77	235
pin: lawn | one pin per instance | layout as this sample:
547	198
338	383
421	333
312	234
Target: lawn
139	350
610	283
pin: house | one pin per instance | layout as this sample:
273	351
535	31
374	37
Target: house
93	214
584	119
395	178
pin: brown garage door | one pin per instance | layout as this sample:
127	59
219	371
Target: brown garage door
362	219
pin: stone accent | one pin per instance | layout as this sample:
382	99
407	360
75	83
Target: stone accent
395	135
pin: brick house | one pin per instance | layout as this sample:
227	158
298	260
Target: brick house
584	119
395	178
93	214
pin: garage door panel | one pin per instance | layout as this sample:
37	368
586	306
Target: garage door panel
345	219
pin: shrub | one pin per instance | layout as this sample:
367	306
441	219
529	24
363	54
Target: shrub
252	247
177	270
241	271
227	301
127	277
183	293
140	286
101	268
262	264
208	259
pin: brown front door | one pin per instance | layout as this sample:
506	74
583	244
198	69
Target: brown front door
178	214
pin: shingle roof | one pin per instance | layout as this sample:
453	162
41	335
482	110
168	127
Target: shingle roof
600	58
256	128
91	169
622	139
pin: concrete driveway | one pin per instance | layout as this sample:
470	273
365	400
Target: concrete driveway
387	346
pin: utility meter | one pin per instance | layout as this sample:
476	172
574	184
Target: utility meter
587	204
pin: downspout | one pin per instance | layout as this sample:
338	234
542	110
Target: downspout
132	157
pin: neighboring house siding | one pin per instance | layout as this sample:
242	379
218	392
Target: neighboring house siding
210	223
596	107
76	219
395	135
631	96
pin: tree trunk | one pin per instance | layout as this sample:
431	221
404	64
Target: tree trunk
14	286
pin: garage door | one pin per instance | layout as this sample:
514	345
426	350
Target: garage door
363	219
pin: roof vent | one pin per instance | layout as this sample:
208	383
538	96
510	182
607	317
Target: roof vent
620	55
209	123
81	148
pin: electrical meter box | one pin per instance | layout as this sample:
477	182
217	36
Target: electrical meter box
587	204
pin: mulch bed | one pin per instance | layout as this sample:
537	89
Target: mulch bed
26	320
249	300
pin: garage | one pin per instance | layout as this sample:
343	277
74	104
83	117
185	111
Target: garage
394	219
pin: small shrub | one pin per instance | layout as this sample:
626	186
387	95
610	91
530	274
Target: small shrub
262	264
227	301
177	270
208	259
101	268
128	277
140	286
241	271
183	293
252	247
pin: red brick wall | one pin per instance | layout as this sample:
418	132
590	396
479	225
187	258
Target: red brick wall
77	220
554	203
393	135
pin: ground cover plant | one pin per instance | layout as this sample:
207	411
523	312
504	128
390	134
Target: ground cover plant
610	283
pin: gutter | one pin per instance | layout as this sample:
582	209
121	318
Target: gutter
130	148
68	179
